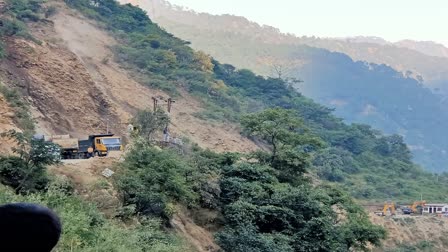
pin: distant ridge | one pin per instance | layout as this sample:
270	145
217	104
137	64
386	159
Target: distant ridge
365	79
425	61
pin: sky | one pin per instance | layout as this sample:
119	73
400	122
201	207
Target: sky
390	19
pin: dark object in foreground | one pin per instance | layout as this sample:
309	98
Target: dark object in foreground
28	227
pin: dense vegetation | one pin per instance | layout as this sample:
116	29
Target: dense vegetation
22	115
24	176
19	12
266	200
360	92
368	164
84	227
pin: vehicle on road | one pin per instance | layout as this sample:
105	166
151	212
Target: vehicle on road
96	145
407	210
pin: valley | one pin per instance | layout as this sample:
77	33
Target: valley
360	78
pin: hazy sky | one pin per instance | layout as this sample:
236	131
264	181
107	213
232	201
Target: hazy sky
391	19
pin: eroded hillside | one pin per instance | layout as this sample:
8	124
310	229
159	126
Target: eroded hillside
6	124
75	85
76	88
414	233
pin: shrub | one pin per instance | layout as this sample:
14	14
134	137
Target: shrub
148	122
16	173
50	11
86	229
22	115
2	50
13	28
27	172
151	179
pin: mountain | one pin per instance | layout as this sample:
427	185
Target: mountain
364	91
81	67
431	66
429	48
366	39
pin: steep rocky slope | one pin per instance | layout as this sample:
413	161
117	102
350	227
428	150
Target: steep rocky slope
74	84
6	124
415	233
76	88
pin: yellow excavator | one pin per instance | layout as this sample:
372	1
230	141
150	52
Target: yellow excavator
417	204
389	207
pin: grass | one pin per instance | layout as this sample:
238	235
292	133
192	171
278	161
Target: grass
22	116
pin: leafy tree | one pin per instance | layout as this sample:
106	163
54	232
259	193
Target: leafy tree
286	134
247	238
153	180
27	171
263	214
203	61
334	164
85	228
148	122
393	146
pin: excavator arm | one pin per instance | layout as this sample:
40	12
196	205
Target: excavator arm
390	207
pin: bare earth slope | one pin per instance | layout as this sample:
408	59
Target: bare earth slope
75	91
6	124
414	230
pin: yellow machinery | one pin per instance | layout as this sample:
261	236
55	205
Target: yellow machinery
98	145
417	204
390	207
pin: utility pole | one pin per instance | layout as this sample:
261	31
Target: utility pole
107	126
155	101
170	104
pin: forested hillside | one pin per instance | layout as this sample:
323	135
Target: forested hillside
230	93
429	48
422	58
293	194
390	100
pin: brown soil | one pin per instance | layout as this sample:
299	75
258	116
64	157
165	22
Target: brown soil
74	90
75	87
86	176
6	124
411	230
201	239
61	89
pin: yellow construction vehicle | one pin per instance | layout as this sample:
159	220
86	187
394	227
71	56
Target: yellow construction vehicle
95	145
417	204
389	207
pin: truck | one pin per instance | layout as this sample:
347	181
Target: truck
96	145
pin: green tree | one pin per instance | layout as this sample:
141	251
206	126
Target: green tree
148	122
394	146
262	214
286	134
26	172
153	180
